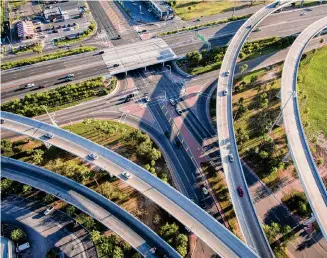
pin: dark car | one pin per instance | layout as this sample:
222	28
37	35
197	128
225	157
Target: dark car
143	31
240	191
115	65
118	37
167	134
202	204
2	121
131	95
41	87
101	52
178	144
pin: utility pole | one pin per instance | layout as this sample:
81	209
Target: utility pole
51	118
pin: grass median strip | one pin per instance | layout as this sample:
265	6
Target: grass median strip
197	62
42	58
60	97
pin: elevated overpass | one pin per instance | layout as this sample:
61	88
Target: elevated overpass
297	143
198	221
244	208
138	235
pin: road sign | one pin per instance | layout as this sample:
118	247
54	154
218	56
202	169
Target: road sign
200	37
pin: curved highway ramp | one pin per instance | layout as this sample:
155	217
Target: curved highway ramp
197	220
299	148
138	235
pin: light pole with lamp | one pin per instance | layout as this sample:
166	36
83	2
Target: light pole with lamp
169	68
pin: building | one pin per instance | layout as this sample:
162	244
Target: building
161	9
53	14
25	30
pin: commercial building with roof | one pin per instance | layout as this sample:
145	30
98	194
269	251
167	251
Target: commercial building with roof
53	14
25	30
161	9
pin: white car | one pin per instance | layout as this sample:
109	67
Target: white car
146	97
49	210
29	85
205	190
93	156
149	10
37	23
172	102
225	92
49	135
231	157
227	73
126	175
179	112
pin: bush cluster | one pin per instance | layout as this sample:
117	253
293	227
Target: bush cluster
34	60
32	104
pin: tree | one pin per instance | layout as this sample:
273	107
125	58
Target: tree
244	68
156	219
169	231
272	231
16	234
181	243
27	188
118	252
37	156
194	58
6	184
297	202
241	136
70	210
95	236
6	147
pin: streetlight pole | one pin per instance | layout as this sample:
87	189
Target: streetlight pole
140	12
234	9
169	68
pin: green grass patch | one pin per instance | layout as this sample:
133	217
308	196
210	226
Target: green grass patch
17	3
52	56
312	83
189	10
196	62
58	98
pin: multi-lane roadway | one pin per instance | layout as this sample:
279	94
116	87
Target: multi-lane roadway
138	235
198	221
299	148
243	205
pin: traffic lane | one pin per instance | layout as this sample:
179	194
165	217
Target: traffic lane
17	91
220	239
46	66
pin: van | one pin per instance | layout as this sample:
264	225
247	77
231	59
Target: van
22	247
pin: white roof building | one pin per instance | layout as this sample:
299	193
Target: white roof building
25	29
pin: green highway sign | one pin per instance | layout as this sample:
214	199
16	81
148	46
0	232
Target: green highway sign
200	37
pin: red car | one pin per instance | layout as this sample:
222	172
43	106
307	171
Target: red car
240	191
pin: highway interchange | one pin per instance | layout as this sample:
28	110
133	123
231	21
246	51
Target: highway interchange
91	64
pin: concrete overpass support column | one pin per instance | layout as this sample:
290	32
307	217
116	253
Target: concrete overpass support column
163	64
145	68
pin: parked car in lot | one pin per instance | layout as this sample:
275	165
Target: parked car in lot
240	191
126	175
93	156
29	85
49	210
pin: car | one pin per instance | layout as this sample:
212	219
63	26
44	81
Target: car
146	97
115	65
240	191
38	28
227	72
126	175
70	75
37	22
205	190
188	230
64	26
143	31
172	102
202	204
93	156
167	134
49	210
302	14
41	87
71	29
68	79
256	29
231	157
149	10
22	247
142	13
249	26
178	144
49	135
198	19
134	3
29	85
225	92
2	121
179	112
116	38
101	52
